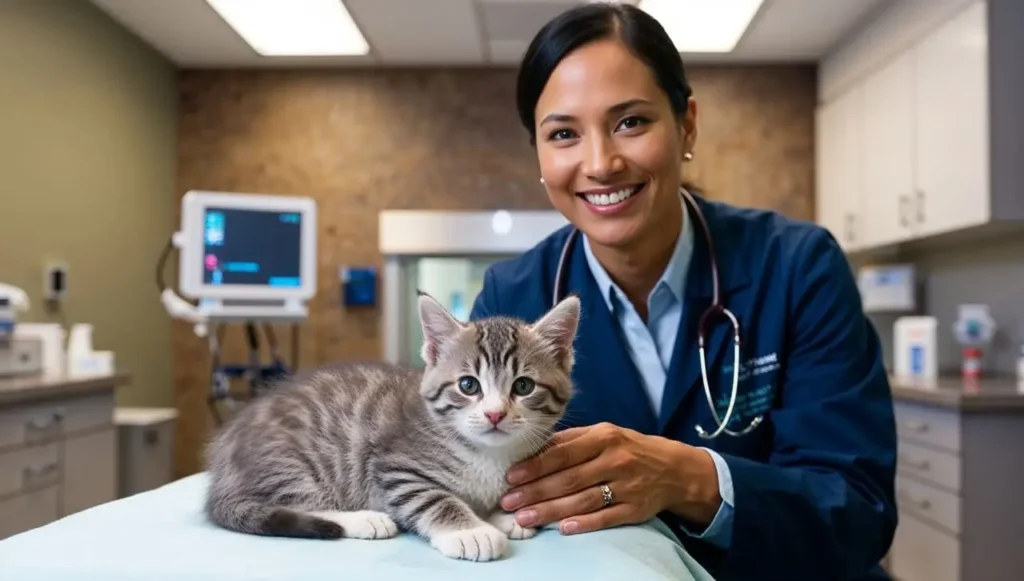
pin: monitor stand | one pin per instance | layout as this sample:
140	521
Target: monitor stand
252	310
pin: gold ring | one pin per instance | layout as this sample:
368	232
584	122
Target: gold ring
606	493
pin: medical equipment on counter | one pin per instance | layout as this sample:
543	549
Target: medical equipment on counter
915	340
51	338
974	330
12	301
244	258
82	360
19	355
889	288
715	309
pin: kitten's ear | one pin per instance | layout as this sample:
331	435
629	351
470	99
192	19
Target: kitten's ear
557	328
438	327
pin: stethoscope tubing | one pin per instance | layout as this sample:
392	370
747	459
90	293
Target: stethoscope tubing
716	307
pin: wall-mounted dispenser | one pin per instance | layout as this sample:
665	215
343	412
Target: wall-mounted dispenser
890	288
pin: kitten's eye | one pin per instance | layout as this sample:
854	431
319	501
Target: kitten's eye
523	386
469	385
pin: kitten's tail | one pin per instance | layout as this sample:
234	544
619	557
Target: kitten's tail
246	516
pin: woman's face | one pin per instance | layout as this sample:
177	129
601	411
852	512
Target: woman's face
609	146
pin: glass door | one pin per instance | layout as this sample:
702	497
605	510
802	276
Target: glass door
454	281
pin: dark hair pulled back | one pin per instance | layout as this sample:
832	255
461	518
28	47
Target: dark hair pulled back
587	23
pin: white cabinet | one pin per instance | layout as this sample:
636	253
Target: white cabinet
888	162
904	153
952	125
838	152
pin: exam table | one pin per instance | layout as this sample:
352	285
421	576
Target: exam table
162	534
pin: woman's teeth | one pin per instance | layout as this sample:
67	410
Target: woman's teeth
612	198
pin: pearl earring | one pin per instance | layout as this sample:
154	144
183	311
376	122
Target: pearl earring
542	181
688	156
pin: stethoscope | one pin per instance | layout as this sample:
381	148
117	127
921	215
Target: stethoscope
716	308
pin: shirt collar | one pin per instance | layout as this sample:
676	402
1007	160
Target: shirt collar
674	277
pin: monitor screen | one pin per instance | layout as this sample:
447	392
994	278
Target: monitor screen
252	247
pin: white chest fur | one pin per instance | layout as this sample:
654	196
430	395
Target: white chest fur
484	482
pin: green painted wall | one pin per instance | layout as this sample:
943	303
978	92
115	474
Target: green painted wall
87	176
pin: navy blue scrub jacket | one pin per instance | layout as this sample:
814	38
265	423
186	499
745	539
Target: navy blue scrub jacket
814	483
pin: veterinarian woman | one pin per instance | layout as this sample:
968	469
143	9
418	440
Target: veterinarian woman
798	485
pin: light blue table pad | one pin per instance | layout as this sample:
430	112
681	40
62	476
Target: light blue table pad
162	535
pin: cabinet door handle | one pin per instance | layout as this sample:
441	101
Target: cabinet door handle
920	207
923	504
918	464
849	228
919	427
49	422
30	477
904	210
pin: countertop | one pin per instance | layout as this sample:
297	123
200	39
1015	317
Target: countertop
984	395
33	387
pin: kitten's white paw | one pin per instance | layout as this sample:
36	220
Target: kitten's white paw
363	524
506	523
482	543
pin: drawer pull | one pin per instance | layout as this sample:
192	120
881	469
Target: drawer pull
919	427
920	465
923	504
32	476
47	423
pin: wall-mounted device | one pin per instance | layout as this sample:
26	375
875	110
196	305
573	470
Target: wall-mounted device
55	281
359	286
890	288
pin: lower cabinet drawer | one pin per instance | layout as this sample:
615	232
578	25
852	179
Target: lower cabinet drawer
920	552
928	425
27	469
928	503
938	467
90	471
28	511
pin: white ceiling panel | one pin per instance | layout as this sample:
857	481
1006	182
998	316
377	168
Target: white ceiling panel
802	29
519	20
420	31
470	32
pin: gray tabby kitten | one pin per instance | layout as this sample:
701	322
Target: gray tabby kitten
364	450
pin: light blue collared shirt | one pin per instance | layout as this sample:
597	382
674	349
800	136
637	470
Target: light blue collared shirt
650	346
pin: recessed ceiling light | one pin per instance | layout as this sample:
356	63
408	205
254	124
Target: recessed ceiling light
294	27
703	25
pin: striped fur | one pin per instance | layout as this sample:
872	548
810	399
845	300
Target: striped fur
367	450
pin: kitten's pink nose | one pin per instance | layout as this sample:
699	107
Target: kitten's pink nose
495	417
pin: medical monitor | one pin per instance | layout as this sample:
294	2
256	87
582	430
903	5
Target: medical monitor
236	247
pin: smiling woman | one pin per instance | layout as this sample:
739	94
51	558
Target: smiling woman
610	112
794	479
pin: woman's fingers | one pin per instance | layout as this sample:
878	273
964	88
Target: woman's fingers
562	456
549	511
559	484
606	518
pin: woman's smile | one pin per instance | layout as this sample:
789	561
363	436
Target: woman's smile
611	200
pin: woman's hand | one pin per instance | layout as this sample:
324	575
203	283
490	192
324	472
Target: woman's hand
646	475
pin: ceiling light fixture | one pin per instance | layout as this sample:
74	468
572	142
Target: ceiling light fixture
703	25
294	27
